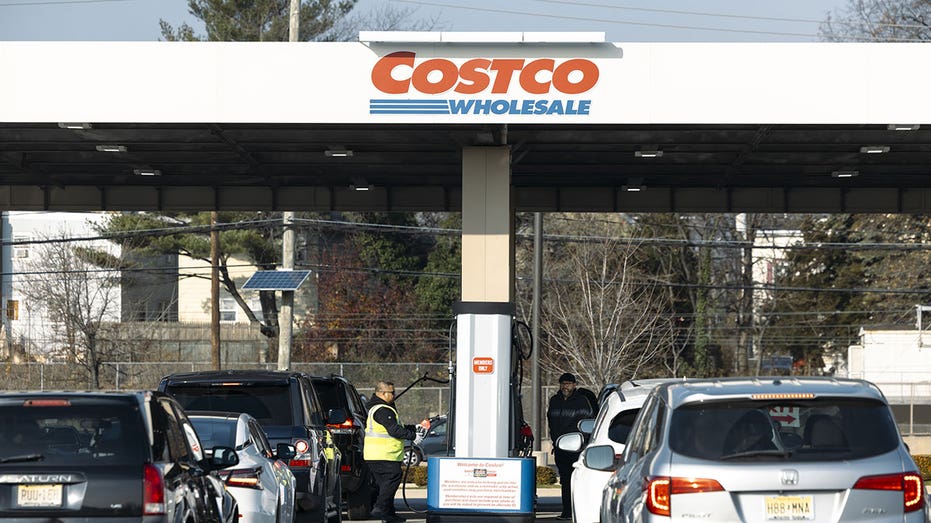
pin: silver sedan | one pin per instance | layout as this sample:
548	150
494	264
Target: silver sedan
261	483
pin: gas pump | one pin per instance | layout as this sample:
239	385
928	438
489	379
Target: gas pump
490	478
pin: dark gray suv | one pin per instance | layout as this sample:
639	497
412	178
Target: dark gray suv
73	457
287	406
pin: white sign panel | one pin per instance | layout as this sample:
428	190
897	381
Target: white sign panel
476	484
429	82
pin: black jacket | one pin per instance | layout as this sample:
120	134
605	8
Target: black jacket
387	418
563	414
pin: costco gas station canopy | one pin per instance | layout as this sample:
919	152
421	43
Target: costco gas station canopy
381	124
482	123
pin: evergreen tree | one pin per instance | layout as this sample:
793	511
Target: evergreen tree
258	20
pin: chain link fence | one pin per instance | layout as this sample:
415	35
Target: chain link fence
421	401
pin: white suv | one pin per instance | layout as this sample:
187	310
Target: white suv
616	415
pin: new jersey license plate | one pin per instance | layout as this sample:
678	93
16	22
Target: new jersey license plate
40	496
790	508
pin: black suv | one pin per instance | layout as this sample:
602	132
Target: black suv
126	456
336	393
287	406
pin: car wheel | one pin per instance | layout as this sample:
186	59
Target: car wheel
412	457
359	503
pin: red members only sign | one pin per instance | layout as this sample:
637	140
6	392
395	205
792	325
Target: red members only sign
483	365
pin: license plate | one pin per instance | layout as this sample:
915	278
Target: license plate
38	496
790	508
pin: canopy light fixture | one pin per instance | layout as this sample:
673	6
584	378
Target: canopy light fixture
111	148
338	153
360	184
147	172
874	149
903	127
76	126
648	153
634	185
845	174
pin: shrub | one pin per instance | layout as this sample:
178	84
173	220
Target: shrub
924	465
417	475
545	476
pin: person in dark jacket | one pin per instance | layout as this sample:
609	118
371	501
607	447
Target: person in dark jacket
566	408
383	449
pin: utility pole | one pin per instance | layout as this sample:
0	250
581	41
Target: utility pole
536	396
214	291
745	300
286	315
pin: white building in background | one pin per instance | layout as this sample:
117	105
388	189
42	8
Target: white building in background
194	291
769	253
27	327
898	360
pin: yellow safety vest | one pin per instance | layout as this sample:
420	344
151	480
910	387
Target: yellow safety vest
379	445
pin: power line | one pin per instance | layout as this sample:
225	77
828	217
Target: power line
142	233
722	15
603	20
677	12
59	2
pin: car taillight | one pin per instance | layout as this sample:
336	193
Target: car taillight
345	468
348	424
909	483
246	478
659	490
153	491
301	457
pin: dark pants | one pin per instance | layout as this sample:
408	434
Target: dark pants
387	476
564	461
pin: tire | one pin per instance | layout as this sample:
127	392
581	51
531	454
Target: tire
412	457
359	503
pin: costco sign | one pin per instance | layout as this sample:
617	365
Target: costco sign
457	88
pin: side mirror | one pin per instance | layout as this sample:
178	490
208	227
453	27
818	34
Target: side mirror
222	457
285	451
336	417
571	442
586	426
600	457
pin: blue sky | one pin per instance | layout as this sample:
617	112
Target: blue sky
625	21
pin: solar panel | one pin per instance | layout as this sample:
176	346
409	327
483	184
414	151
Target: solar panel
276	280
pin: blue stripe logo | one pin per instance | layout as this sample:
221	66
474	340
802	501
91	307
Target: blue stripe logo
382	106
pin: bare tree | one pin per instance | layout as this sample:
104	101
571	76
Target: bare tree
603	317
879	21
77	289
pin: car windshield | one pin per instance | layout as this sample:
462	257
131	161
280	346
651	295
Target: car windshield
215	432
821	429
104	434
269	404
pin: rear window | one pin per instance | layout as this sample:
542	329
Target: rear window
109	433
331	396
269	404
215	432
822	429
620	426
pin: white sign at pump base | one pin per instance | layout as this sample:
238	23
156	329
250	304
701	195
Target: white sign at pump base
481	484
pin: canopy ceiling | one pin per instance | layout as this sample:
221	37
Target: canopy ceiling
577	167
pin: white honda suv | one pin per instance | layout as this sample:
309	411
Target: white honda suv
616	415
